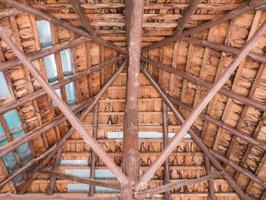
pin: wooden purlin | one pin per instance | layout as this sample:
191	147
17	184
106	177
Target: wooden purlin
94	182
4	150
245	111
196	80
170	186
29	164
70	132
200	107
245	7
190	9
59	22
195	136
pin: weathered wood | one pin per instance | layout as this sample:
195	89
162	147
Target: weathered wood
69	133
196	80
170	186
238	168
74	121
93	155
166	175
221	47
180	27
85	22
210	181
29	164
200	107
9	12
59	22
89	181
13	104
195	136
230	129
52	183
245	7
134	16
54	197
45	52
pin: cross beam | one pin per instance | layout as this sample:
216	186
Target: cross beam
59	22
200	107
74	121
195	136
244	8
69	133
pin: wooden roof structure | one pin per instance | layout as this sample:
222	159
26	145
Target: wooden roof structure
131	99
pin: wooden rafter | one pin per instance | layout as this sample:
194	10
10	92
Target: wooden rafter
59	22
247	6
195	136
108	184
70	132
85	22
180	27
200	107
198	81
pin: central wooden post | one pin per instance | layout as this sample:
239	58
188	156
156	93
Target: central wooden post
134	12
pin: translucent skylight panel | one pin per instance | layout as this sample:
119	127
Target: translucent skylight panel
77	187
67	62
104	174
58	92
143	135
11	165
13	121
84	173
70	93
74	162
45	34
4	92
51	68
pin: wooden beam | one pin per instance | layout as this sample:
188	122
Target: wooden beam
29	164
60	118
231	130
85	22
69	133
223	48
59	22
238	168
210	181
74	121
45	52
200	107
188	12
245	7
89	181
13	104
130	164
9	12
52	183
65	196
198	81
93	155
195	136
171	186
166	175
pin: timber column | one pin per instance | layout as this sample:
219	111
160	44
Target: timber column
134	14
